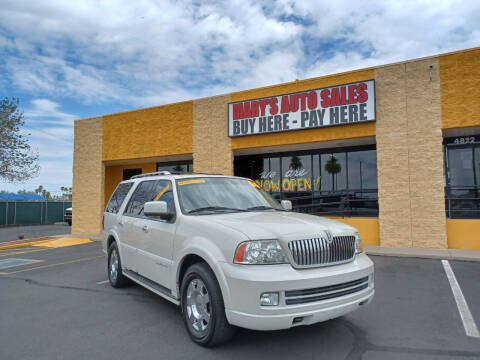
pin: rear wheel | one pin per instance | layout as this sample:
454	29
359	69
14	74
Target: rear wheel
203	309
115	275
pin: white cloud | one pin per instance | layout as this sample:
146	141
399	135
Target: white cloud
145	53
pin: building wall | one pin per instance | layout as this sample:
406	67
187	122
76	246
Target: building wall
410	155
415	100
88	177
460	92
156	131
212	148
463	234
460	80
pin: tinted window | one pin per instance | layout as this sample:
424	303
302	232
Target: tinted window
323	181
362	170
460	167
154	190
118	197
462	190
176	166
333	170
477	165
128	173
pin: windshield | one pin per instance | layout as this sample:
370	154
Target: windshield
211	195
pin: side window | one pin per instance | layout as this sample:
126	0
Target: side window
155	190
165	193
118	197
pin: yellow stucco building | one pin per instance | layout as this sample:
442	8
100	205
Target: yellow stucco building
393	150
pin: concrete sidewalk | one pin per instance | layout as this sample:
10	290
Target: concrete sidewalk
446	254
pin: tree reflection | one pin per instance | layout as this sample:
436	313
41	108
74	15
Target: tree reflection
333	167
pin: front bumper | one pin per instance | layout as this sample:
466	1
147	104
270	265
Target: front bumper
244	284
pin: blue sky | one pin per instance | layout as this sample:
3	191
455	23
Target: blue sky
67	60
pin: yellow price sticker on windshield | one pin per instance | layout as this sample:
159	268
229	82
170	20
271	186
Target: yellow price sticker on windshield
254	184
193	181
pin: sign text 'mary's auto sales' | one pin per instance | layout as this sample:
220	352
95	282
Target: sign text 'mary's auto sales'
337	105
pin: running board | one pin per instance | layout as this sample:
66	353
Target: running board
151	285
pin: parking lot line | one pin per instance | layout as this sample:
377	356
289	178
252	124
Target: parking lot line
4	253
467	318
12	262
56	264
102	282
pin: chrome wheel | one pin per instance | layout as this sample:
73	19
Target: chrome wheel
198	308
113	266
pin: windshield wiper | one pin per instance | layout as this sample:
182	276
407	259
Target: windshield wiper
214	208
261	207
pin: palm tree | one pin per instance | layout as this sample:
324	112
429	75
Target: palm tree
295	163
333	167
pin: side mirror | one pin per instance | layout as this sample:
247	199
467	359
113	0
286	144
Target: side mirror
157	208
286	204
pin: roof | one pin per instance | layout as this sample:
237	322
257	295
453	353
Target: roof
21	197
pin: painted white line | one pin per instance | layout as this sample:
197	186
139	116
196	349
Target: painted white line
102	282
467	318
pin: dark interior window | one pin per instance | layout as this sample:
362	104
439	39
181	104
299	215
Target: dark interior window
128	173
176	166
341	182
462	172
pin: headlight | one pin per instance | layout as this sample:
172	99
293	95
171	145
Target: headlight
358	243
260	252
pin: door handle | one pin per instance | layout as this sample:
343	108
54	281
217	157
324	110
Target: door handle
120	222
145	228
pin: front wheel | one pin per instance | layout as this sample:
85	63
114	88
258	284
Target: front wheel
203	310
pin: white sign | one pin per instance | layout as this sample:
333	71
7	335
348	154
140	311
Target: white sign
336	105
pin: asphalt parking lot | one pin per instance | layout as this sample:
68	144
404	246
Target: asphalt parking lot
12	232
61	307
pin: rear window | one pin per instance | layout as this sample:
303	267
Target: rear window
118	197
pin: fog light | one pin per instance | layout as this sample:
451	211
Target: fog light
269	299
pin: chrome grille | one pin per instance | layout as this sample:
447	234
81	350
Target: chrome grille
319	251
303	296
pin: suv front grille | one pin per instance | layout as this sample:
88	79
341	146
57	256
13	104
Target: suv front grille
294	297
318	251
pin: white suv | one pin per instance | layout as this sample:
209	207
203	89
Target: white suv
230	255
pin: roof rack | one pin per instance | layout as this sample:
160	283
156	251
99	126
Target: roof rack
151	174
168	173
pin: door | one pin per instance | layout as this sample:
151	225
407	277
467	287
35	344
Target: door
153	236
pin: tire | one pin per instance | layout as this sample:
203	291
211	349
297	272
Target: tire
199	280
69	223
115	276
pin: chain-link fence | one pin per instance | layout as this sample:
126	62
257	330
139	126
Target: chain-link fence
32	212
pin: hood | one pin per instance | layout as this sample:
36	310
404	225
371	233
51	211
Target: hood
279	225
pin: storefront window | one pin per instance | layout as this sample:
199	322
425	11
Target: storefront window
176	166
318	182
333	172
462	168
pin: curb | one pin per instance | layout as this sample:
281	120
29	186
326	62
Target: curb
447	254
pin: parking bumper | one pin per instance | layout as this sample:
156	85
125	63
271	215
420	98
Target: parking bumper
246	283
